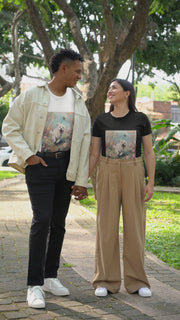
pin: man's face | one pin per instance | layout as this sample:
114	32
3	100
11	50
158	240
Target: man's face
72	73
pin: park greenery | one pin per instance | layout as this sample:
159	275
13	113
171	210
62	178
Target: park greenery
157	92
106	32
8	174
163	227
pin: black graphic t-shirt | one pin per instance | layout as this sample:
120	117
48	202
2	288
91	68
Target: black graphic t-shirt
121	137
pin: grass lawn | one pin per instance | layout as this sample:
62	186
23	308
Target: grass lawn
8	174
162	226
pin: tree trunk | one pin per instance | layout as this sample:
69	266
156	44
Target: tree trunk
121	53
16	51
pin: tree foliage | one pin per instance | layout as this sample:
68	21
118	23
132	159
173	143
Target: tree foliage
161	47
161	92
4	107
95	28
105	32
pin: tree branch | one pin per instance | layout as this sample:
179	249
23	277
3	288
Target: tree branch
39	29
75	28
132	41
32	56
6	86
108	24
89	66
15	44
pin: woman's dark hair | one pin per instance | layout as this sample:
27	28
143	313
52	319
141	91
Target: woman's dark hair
62	56
127	86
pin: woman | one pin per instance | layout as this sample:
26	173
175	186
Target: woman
116	143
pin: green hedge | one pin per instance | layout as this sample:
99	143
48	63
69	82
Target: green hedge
168	171
4	107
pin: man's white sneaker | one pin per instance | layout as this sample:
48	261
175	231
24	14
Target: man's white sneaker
145	292
101	292
35	297
54	286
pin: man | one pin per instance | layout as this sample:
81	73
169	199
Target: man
48	128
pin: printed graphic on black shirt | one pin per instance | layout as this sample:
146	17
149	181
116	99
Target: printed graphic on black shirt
57	133
120	144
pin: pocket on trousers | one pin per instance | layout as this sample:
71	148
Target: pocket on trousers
33	172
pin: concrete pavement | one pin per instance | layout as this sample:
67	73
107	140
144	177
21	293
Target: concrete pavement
76	271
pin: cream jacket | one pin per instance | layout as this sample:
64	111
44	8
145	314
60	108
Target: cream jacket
23	128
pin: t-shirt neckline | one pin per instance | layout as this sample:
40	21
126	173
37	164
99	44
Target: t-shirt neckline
119	117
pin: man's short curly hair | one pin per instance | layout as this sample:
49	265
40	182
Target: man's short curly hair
62	56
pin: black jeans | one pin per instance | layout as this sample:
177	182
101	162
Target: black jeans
49	193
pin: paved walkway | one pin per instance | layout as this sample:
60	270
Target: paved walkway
76	270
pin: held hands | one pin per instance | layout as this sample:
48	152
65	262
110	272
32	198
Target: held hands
33	160
79	192
148	192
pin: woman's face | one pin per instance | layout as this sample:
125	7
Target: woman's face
116	93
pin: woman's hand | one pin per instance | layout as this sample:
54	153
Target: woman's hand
148	192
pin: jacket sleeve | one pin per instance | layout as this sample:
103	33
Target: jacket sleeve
12	128
83	167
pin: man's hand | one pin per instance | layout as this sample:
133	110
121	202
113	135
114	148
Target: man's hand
33	160
79	192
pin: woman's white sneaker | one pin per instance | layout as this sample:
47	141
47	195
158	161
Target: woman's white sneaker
145	292
101	292
35	297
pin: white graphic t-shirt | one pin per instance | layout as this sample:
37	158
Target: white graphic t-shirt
58	128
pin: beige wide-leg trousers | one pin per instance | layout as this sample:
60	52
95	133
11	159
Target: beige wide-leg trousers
120	183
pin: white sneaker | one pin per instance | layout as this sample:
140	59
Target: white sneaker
145	292
101	292
35	297
54	286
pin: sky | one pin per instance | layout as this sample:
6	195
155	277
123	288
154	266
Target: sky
158	79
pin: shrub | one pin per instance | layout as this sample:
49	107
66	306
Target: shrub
4	107
168	171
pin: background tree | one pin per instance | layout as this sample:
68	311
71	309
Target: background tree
106	32
17	46
114	47
160	45
102	35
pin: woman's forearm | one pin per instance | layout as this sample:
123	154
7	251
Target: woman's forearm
150	166
92	163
